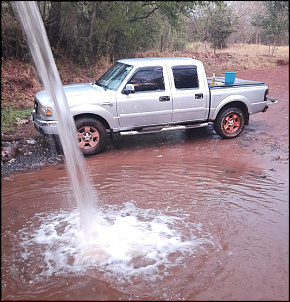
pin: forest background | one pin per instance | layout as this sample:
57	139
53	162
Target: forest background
87	37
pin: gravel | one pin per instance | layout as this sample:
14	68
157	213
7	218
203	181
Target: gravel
33	153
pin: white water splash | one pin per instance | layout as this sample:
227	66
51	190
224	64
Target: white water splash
129	242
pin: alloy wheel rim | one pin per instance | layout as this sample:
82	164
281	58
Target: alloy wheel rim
88	137
232	123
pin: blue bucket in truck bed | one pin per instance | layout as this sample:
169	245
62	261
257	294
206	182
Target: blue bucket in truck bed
230	77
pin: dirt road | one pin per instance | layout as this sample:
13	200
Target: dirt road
269	132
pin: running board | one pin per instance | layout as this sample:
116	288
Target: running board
162	129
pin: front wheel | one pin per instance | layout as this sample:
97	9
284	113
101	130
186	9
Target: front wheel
229	123
91	135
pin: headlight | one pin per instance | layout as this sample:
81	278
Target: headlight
46	111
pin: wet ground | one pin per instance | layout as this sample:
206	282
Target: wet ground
213	216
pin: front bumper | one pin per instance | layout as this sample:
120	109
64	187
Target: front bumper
42	126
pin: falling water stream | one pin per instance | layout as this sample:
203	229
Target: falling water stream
28	14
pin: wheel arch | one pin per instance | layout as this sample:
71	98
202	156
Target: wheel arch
94	116
237	104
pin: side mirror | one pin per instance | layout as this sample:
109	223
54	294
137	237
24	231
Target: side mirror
129	88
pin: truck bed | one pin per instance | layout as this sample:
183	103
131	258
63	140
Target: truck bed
220	83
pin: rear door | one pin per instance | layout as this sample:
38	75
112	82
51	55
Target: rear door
190	96
151	104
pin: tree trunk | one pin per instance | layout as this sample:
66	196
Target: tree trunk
273	48
53	23
93	22
43	12
161	43
257	35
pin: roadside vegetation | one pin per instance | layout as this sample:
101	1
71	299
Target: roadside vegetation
87	37
10	115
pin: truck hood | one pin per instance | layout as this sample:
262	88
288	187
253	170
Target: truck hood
75	93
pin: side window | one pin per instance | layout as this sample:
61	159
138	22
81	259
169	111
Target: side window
148	79
185	77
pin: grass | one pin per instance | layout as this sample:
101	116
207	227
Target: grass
10	115
251	50
238	57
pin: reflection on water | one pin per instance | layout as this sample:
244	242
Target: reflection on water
166	229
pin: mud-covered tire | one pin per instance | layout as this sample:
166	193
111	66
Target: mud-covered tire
92	136
229	123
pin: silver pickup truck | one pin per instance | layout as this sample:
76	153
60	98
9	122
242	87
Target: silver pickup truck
145	95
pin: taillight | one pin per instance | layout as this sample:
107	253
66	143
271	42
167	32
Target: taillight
266	95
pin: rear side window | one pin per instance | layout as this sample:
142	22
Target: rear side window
185	77
148	79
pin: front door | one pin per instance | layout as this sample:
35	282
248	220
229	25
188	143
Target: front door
151	104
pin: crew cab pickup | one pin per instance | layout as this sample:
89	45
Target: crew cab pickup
145	95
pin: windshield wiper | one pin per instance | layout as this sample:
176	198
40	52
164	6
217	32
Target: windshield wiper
99	84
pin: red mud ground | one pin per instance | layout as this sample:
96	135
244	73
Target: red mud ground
270	130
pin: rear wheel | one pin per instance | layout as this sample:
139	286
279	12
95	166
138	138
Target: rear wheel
91	135
230	123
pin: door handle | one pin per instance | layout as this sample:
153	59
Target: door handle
199	96
164	98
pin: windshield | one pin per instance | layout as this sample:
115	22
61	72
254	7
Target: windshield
113	78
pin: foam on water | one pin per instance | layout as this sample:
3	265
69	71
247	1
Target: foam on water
125	243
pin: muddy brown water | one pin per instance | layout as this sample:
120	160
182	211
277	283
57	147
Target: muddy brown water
179	216
233	213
